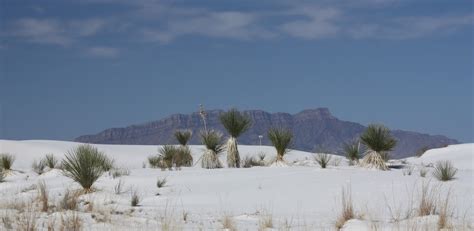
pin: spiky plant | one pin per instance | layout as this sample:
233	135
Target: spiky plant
444	170
183	136
213	142
378	141
352	152
51	161
236	123
281	138
6	161
168	154
322	159
85	164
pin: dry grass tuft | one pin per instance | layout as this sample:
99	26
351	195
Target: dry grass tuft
43	196
228	223
347	210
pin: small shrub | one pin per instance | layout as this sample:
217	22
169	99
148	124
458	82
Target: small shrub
281	139
160	183
85	164
156	162
228	223
135	200
6	161
118	172
51	161
352	152
322	159
427	202
347	210
69	201
262	156
168	154
183	157
183	136
118	188
444	171
38	166
265	222
43	196
249	162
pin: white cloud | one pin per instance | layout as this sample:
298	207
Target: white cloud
317	23
228	24
411	27
53	31
103	52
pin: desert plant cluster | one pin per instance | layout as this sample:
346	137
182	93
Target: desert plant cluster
86	164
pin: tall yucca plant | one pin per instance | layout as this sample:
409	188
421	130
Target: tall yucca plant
281	139
235	123
85	164
168	154
184	154
378	140
183	136
213	142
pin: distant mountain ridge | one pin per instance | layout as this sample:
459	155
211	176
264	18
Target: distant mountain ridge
313	129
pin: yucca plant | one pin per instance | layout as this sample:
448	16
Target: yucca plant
6	161
444	170
168	154
51	161
322	159
352	152
378	141
183	136
213	142
236	123
184	154
85	164
281	138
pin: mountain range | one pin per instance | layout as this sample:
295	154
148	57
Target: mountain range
314	130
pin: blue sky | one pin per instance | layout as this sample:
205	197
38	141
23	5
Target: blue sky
70	68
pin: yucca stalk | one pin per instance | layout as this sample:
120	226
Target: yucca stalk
379	142
183	136
85	164
281	139
213	142
236	124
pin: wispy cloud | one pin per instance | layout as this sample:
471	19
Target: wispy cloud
103	52
412	27
317	23
53	31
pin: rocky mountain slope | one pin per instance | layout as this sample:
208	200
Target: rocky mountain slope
315	129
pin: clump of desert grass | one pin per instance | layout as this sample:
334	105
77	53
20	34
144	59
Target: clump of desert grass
183	137
85	164
213	142
228	223
352	152
38	167
119	172
50	161
235	123
6	161
281	139
250	161
43	196
379	142
347	208
323	159
135	198
444	171
161	182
